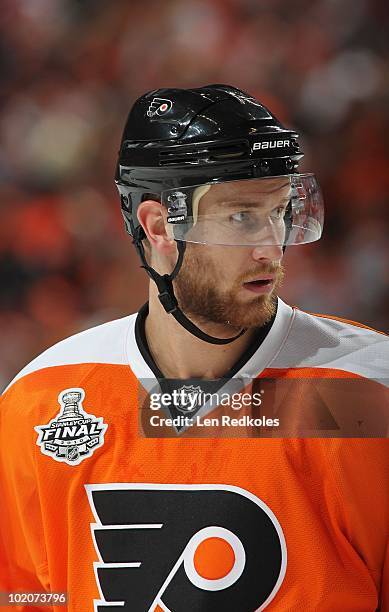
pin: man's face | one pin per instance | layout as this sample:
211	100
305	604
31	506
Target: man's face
236	284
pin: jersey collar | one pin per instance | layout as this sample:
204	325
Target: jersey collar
264	347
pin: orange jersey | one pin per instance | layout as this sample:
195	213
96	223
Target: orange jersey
95	504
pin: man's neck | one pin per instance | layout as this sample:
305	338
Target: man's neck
179	354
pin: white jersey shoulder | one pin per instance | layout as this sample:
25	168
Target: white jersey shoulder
297	339
105	343
320	341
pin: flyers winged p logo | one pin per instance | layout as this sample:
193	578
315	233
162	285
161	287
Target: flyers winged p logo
184	547
159	106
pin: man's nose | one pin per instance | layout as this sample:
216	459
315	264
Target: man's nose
267	253
269	244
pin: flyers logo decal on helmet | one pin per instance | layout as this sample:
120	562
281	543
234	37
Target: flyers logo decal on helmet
73	435
159	106
184	547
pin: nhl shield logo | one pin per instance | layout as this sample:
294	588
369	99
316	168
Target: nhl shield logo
190	398
73	435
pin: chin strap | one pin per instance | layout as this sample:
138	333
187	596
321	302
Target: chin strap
166	292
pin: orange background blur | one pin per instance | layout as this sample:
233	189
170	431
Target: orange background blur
70	72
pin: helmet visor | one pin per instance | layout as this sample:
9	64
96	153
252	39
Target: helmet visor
281	210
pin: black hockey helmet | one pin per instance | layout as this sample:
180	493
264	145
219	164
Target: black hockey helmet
178	143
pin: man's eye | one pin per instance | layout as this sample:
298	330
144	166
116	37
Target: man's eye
241	217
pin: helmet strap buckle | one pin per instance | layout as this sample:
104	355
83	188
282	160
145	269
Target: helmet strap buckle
166	295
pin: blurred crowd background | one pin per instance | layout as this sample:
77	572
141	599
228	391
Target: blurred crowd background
70	71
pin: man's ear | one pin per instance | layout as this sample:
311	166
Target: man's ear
151	216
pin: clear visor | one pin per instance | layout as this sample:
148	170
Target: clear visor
281	210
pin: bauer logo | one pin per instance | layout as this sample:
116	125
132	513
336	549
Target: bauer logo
176	219
176	547
270	144
73	435
159	107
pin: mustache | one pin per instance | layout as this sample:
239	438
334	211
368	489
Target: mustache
275	269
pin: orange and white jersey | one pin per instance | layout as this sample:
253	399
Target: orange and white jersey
123	518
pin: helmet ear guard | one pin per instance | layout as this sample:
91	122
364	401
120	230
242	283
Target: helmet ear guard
178	143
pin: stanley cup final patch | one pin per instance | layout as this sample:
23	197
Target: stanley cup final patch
73	435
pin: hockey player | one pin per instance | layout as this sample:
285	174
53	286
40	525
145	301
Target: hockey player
218	450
